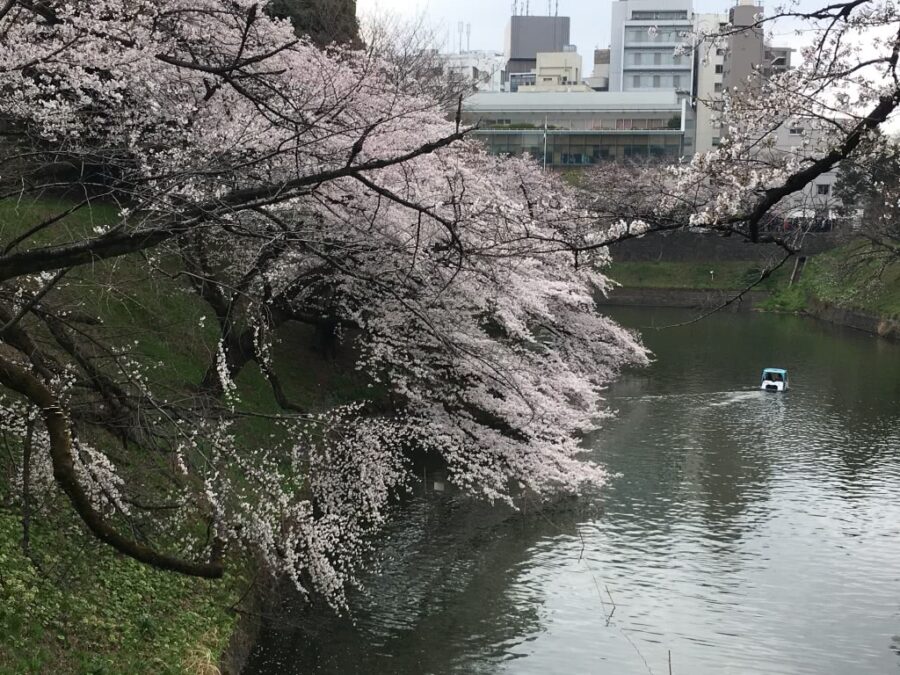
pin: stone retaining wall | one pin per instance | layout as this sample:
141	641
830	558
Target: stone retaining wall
869	323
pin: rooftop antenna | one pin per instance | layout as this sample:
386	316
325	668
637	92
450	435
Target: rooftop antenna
557	8
460	28
468	37
527	7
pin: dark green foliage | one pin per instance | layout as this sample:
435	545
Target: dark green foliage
324	21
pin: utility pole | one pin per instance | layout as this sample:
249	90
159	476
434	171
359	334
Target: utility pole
545	142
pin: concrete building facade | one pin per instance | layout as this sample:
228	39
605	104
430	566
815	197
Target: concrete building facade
599	78
744	61
816	205
653	94
555	71
709	70
484	69
746	48
749	59
526	36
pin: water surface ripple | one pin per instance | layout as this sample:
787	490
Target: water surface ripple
743	532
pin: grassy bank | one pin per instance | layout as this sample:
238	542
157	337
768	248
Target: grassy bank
840	278
729	275
71	604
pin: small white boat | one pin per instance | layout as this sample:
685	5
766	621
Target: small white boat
774	379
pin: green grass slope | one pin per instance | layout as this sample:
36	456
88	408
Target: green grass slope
714	275
845	278
73	605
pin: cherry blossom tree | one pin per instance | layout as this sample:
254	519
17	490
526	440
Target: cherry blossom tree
286	184
841	93
281	183
871	188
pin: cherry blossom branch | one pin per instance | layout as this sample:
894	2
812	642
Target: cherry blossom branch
19	380
801	179
111	246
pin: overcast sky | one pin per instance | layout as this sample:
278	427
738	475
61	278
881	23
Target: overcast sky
590	19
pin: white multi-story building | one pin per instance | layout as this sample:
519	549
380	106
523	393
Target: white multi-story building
644	35
484	69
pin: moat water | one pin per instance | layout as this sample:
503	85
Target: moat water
743	532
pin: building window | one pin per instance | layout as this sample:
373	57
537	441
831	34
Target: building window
658	16
717	87
720	51
719	68
676	81
657	59
796	131
636	81
656	82
574	158
637	58
715	141
823	189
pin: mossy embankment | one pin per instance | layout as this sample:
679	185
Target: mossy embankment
842	285
849	286
70	604
712	275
